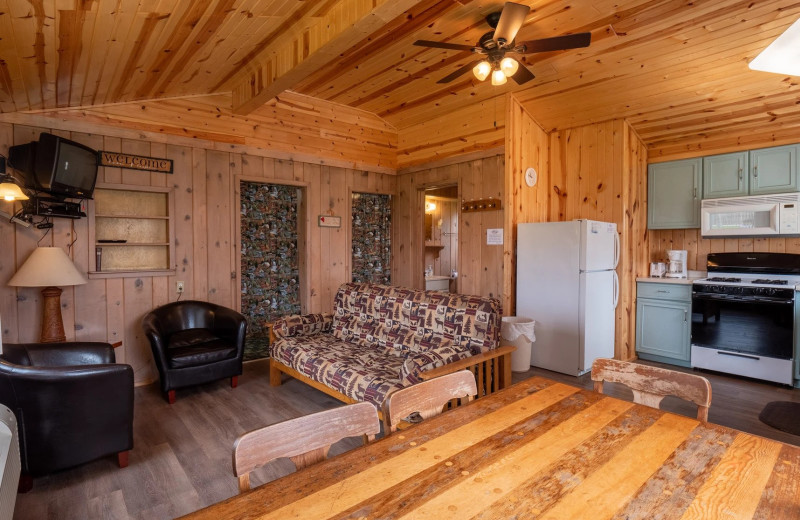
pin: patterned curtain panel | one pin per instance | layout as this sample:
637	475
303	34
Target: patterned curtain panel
270	263
372	238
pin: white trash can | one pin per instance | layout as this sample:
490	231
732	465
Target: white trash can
518	331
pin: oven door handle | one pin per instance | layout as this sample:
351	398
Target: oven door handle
737	299
736	354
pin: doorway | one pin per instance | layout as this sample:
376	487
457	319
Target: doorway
270	259
441	238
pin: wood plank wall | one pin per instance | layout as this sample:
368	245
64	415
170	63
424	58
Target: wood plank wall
598	172
292	126
480	266
478	127
527	146
205	183
701	145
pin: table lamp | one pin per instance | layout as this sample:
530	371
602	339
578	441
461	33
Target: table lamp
49	267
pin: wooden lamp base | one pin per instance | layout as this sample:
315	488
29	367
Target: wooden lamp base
52	324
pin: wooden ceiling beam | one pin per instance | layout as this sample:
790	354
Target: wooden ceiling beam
287	62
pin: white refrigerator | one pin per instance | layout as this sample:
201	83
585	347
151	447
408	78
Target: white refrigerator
567	282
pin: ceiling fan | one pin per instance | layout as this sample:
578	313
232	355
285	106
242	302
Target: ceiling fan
494	45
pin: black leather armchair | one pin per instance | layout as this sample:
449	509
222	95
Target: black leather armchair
72	402
195	342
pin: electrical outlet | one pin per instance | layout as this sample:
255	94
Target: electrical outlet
179	287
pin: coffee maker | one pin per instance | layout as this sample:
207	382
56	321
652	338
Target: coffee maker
676	263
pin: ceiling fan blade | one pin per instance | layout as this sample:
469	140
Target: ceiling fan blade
523	75
443	45
510	21
558	43
466	68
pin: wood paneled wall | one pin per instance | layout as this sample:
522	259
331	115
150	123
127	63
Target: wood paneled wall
527	146
480	266
598	172
478	127
206	236
698	248
724	140
292	126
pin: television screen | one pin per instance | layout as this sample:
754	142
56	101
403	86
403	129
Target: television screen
64	167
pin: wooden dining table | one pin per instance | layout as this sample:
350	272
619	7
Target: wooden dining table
541	449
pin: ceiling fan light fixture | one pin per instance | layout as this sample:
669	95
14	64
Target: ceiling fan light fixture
482	70
509	66
498	77
782	56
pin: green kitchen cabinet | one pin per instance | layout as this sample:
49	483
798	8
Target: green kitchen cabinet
673	194
725	175
773	170
664	322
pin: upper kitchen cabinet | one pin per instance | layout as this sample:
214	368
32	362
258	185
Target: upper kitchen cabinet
773	170
673	194
725	175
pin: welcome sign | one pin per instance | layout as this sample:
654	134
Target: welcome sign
135	162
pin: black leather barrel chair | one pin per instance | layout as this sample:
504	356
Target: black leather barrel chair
195	342
72	402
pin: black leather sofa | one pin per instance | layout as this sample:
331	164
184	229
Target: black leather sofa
72	402
195	342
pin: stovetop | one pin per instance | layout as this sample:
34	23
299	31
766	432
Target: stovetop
770	270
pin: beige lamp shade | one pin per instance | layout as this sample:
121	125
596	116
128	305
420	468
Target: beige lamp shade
10	191
47	267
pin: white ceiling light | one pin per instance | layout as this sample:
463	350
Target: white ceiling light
498	78
783	55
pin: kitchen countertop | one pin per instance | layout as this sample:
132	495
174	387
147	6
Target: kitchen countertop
693	275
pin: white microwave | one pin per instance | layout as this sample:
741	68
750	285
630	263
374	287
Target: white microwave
751	216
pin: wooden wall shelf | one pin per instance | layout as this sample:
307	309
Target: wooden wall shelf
471	206
143	217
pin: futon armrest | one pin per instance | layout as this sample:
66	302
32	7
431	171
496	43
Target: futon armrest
461	364
302	325
69	353
418	363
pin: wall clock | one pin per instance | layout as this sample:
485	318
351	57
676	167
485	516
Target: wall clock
530	177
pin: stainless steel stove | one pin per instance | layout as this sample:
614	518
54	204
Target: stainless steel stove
743	315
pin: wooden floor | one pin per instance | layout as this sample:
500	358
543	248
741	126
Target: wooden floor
181	459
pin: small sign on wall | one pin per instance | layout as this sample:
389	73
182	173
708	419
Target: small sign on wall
135	162
330	221
494	237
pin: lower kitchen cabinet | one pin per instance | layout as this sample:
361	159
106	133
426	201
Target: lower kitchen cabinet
664	322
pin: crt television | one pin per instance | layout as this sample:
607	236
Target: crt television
57	166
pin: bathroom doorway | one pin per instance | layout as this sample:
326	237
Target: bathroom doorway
441	238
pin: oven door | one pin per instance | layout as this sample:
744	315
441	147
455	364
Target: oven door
755	326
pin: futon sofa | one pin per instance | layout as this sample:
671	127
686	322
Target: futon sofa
381	338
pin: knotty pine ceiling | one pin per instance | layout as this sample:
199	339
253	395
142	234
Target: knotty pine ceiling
673	68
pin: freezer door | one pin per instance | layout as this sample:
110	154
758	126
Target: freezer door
599	245
548	291
597	319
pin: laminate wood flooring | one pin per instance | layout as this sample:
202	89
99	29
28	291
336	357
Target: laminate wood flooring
181	459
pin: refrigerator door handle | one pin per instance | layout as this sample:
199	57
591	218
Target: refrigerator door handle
616	249
616	289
